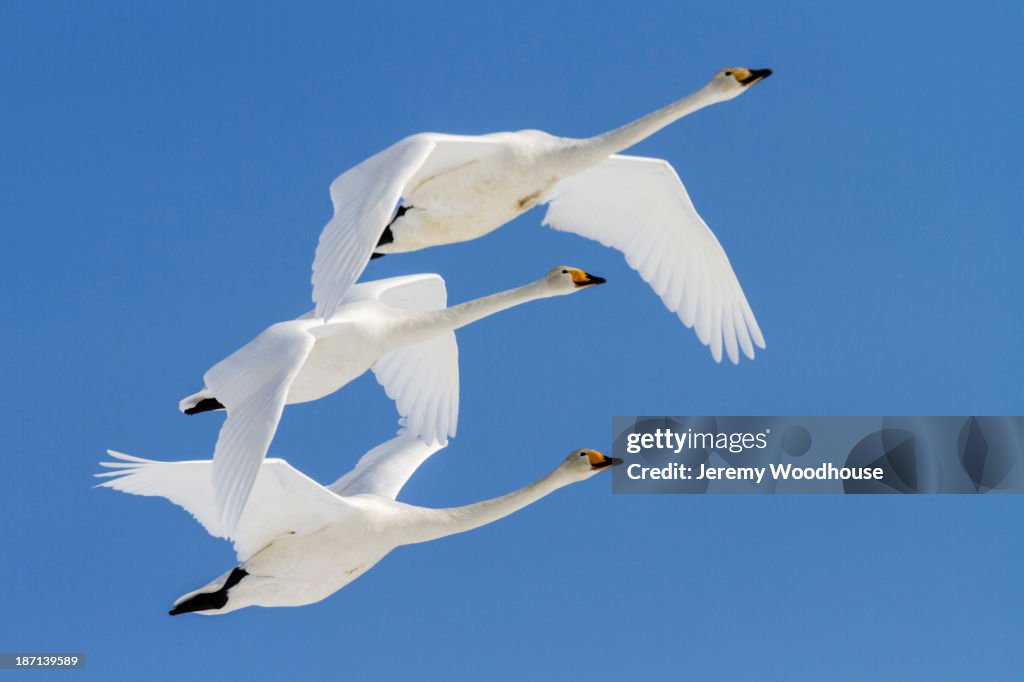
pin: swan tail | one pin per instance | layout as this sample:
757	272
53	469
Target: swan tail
211	599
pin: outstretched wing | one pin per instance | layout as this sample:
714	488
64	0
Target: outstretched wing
252	383
421	292
386	468
422	379
640	207
283	499
364	199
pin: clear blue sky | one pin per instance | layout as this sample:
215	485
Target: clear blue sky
165	173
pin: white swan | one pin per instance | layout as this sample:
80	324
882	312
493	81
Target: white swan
452	188
299	542
398	327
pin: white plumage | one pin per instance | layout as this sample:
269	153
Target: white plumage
666	242
297	541
453	188
398	327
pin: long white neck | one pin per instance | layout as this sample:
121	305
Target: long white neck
430	324
615	141
438	523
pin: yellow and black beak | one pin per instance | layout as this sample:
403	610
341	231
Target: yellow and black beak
585	279
599	461
747	77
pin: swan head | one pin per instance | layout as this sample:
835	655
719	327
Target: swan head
568	280
733	81
584	463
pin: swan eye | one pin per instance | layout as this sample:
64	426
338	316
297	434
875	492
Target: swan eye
728	73
565	272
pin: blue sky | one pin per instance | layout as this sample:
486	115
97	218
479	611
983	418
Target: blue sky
166	171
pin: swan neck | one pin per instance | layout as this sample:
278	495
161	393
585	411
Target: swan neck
453	520
626	136
458	316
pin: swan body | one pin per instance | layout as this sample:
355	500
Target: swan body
398	327
453	188
511	174
298	542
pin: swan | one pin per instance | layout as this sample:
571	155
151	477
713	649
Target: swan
452	188
299	542
397	327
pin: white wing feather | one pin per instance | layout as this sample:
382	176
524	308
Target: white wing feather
252	383
639	206
422	379
386	468
283	499
420	292
364	199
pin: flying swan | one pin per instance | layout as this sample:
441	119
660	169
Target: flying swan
299	542
398	327
452	188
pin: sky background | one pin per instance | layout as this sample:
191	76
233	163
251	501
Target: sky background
165	171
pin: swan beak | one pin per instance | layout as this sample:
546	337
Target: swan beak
599	461
753	76
585	279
